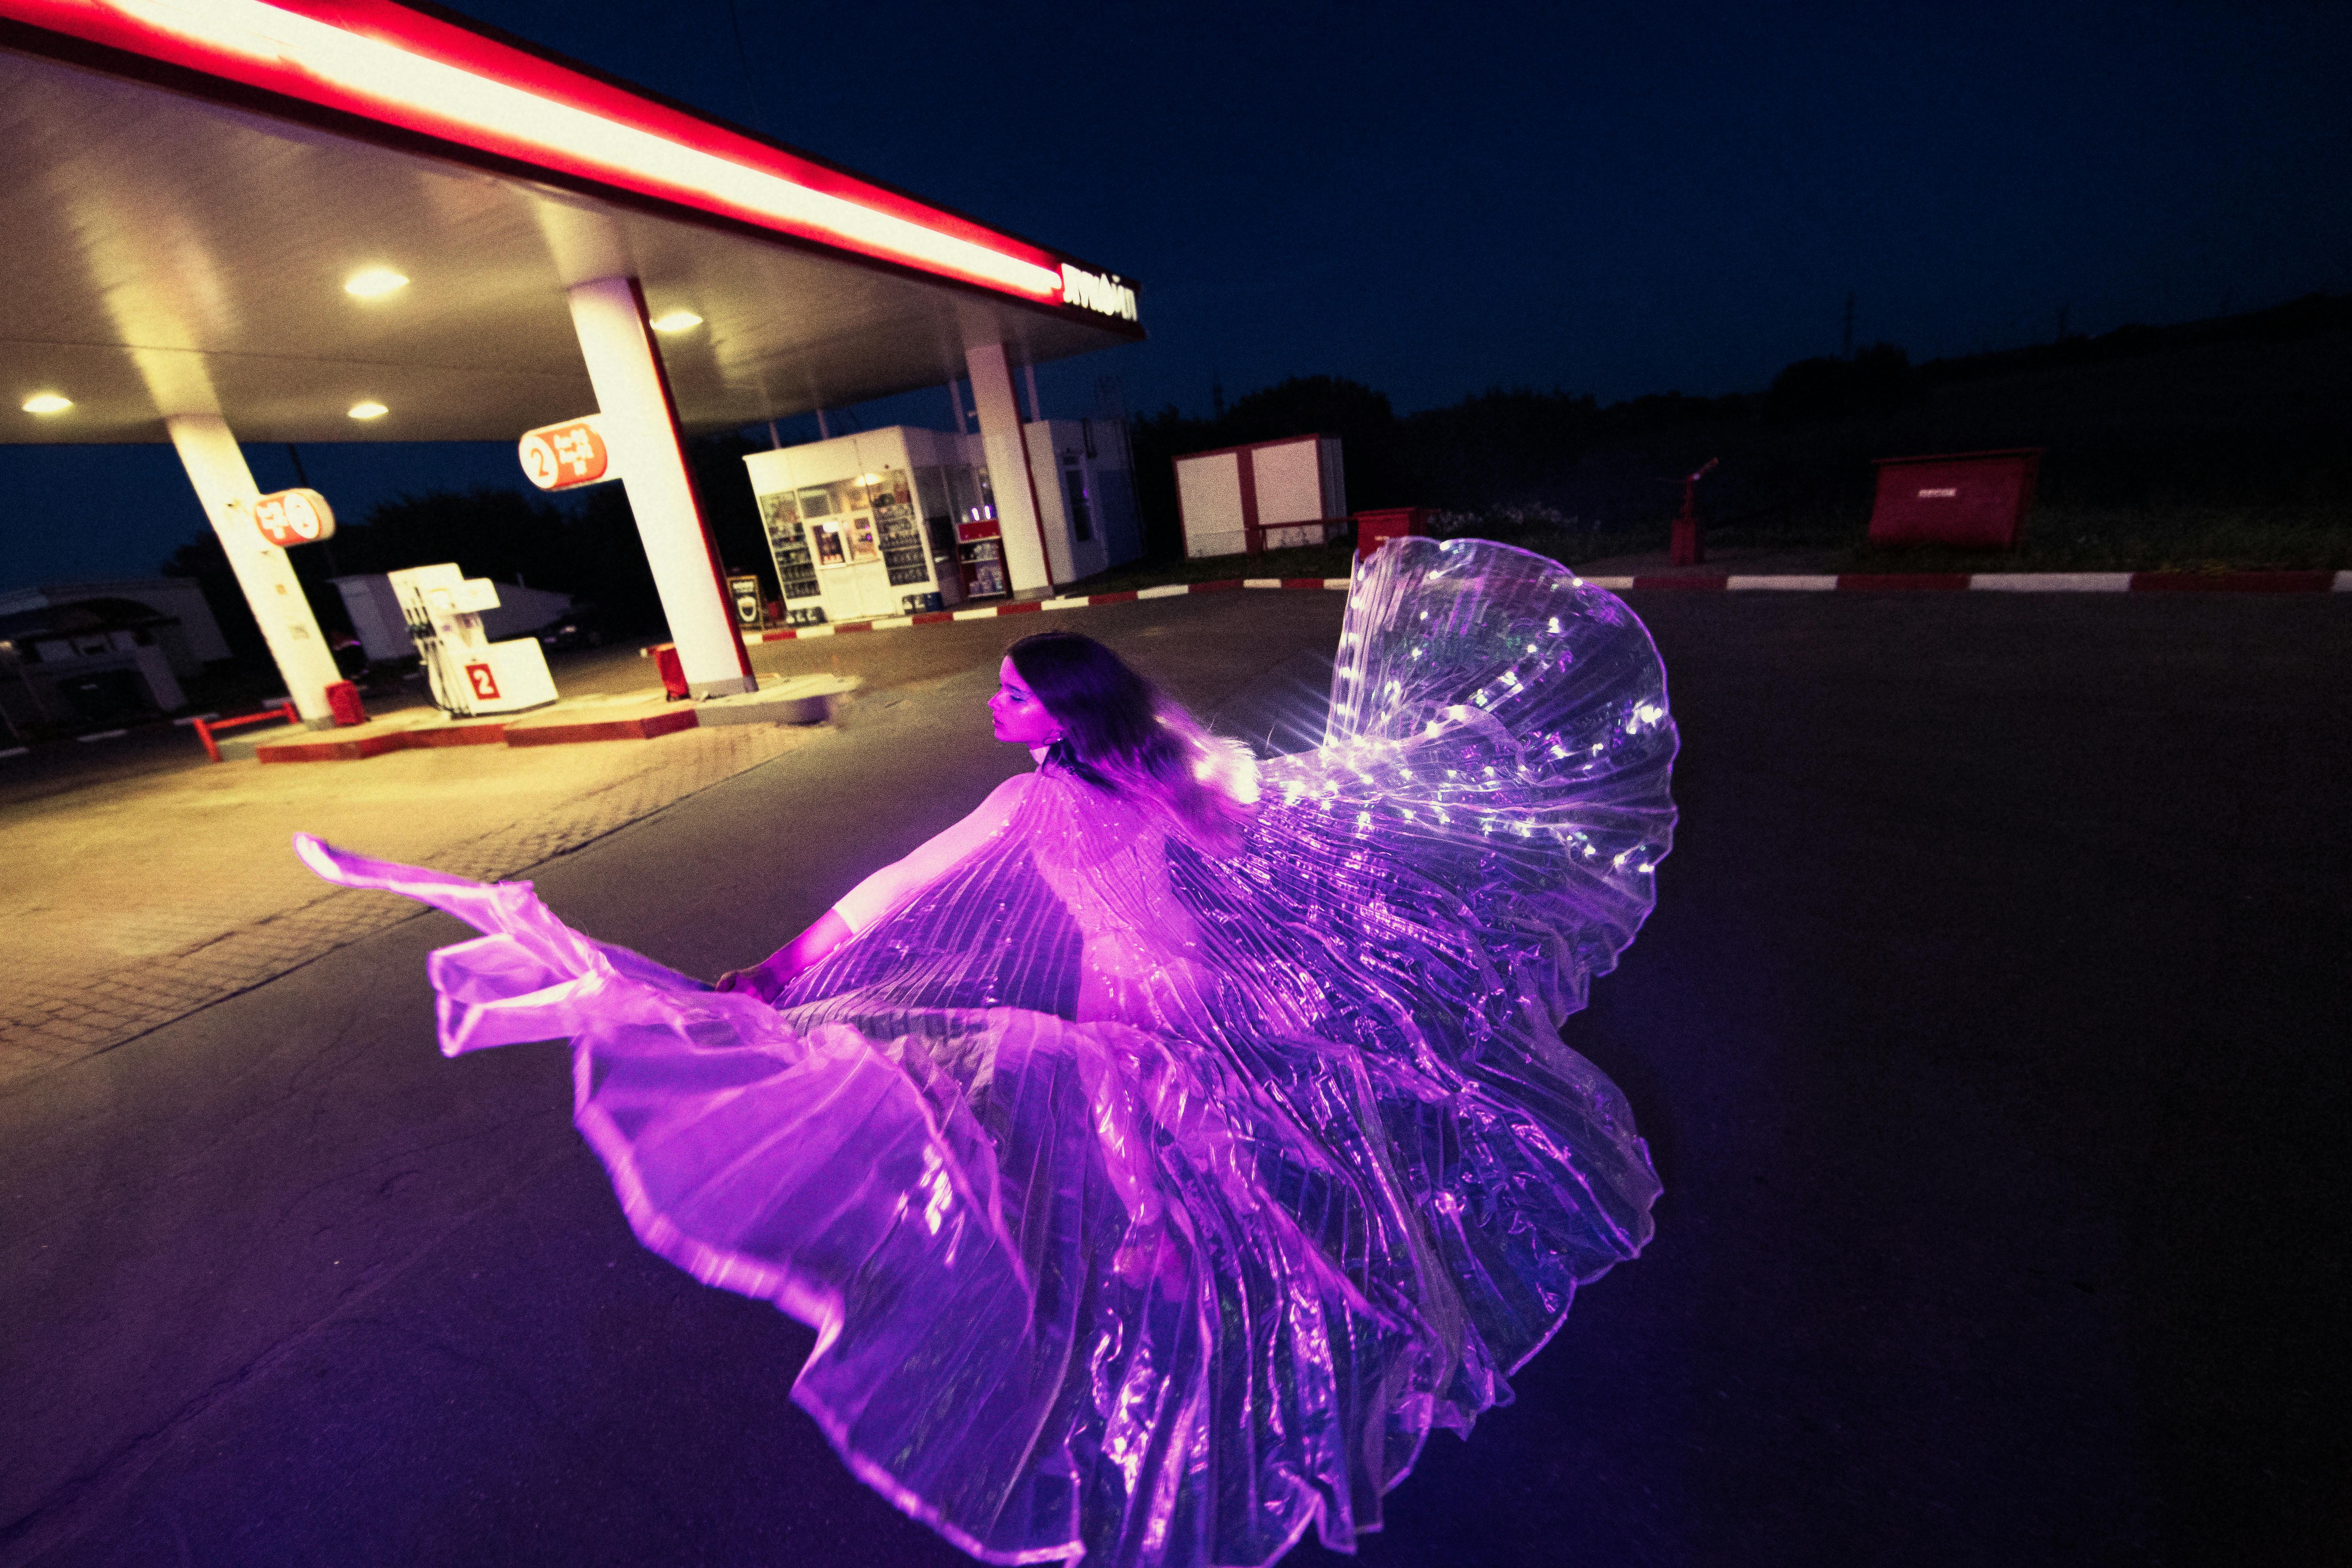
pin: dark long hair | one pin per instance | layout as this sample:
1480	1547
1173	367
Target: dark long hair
1121	734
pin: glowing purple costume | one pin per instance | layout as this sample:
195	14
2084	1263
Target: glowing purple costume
1152	1205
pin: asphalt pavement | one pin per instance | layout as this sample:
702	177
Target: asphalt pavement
1979	1037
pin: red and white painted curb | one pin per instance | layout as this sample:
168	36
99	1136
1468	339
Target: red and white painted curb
1846	582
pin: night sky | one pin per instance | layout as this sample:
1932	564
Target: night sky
1438	200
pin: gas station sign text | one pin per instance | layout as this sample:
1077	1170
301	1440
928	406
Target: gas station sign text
1093	291
294	517
557	457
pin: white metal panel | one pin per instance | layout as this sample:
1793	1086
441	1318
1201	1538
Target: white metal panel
1209	496
519	673
1289	482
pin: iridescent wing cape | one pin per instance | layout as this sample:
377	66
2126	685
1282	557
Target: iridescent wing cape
1151	1205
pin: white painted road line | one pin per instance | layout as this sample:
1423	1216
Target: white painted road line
1167	590
100	735
2053	582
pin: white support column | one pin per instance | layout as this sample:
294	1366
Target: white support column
225	485
1008	466
640	423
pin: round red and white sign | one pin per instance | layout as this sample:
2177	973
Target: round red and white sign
294	517
557	457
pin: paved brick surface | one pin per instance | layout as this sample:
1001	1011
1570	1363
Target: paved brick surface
131	904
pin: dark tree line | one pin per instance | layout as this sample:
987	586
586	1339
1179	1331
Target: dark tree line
2245	409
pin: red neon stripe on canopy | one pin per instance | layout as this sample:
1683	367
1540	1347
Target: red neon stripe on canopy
387	63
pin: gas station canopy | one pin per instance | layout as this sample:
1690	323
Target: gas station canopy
207	204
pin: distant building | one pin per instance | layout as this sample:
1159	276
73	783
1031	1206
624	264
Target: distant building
73	653
197	641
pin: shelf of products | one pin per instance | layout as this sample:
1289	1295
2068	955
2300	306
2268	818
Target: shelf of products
787	546
898	529
983	562
902	545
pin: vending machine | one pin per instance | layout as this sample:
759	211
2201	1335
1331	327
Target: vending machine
869	525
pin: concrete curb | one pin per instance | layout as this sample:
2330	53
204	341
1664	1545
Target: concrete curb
1847	582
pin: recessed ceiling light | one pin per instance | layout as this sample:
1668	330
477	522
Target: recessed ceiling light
375	283
369	411
677	322
47	403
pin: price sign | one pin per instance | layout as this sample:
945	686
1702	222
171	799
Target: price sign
294	517
557	457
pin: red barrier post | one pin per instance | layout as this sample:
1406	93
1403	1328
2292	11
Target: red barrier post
207	728
1687	548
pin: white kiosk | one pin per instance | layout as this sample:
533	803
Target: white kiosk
902	521
469	673
1268	494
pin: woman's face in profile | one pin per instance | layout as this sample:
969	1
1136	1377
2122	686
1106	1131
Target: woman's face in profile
1021	719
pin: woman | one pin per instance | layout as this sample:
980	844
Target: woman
1163	1150
1101	734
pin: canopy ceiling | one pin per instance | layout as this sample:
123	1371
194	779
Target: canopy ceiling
181	244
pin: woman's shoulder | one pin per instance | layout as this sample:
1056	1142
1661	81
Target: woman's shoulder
1007	798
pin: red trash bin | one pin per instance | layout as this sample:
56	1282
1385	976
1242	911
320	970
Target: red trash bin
673	672
343	702
1374	529
1975	500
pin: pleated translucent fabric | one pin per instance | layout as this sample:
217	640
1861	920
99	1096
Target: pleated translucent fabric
1149	1205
